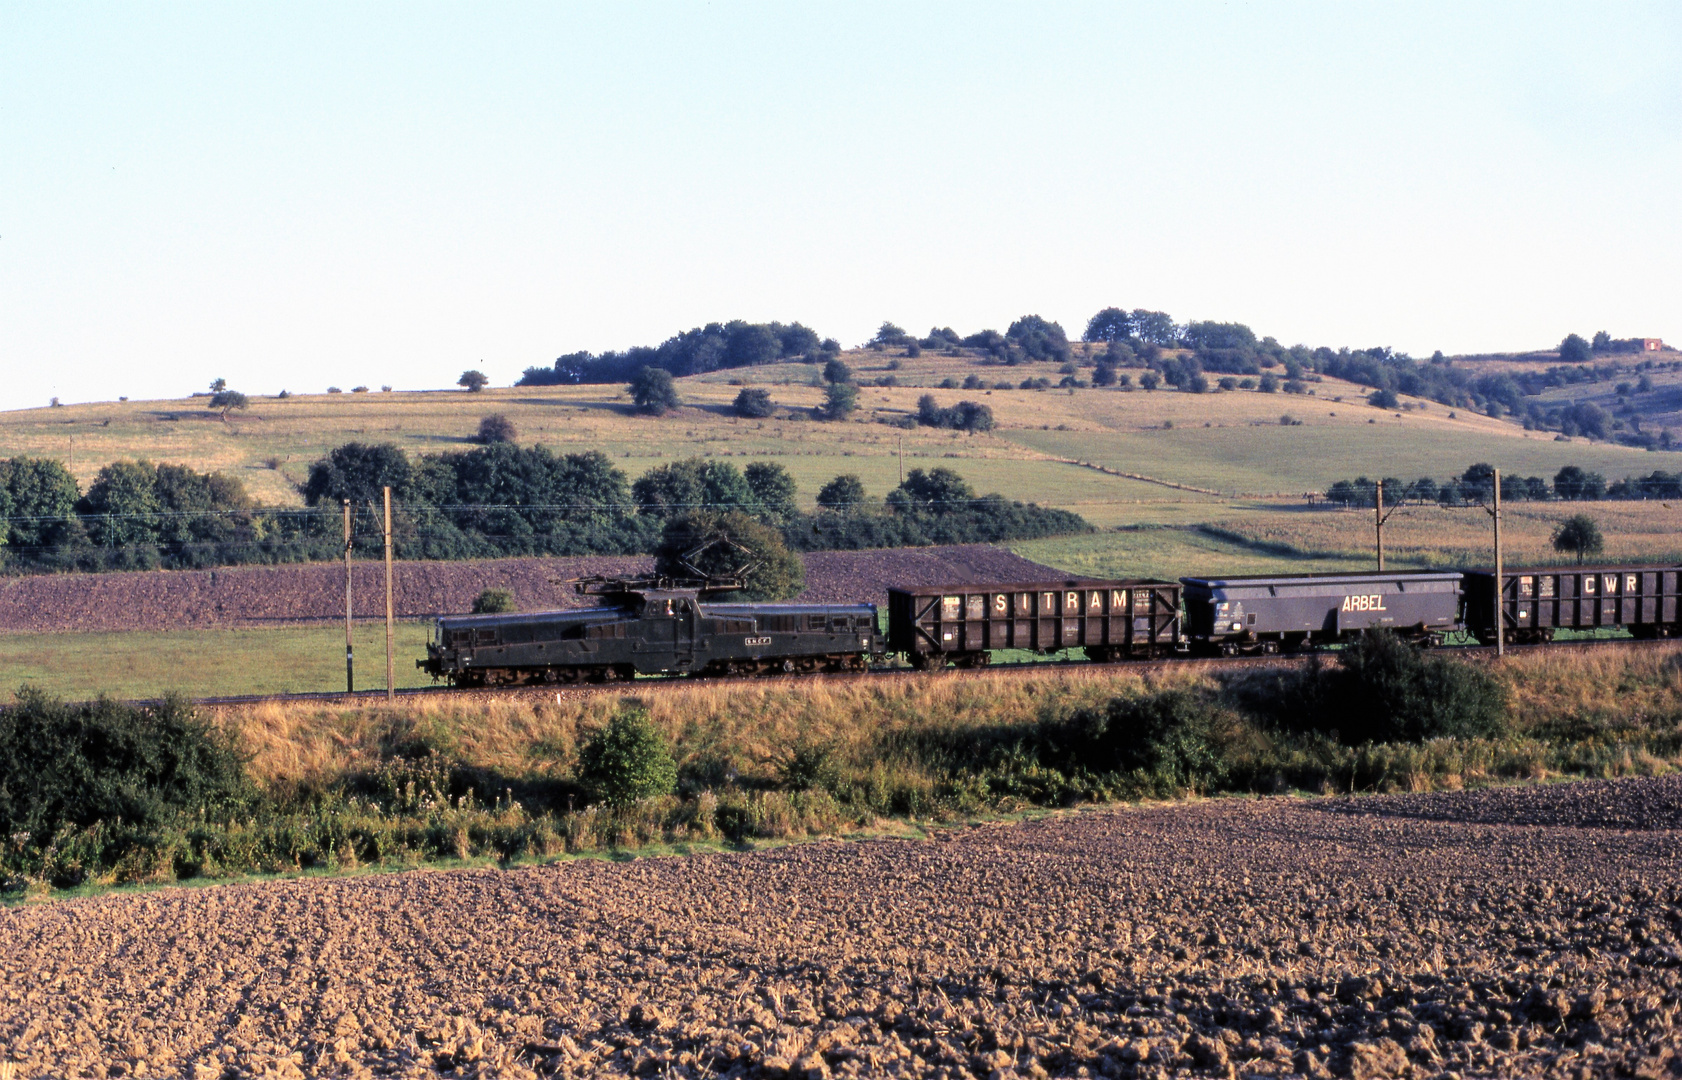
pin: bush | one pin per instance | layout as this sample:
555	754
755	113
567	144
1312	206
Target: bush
653	391
964	416
730	546
754	404
494	602
1579	536
497	428
1383	690
836	371
843	494
77	765
627	761
1383	399
840	401
473	380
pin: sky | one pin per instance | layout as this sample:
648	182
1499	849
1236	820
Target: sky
297	195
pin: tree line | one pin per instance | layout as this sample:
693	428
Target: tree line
1477	484
495	500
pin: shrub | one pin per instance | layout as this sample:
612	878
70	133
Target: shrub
103	761
1269	384
729	546
627	761
497	428
1383	399
836	371
1579	536
844	494
1383	690
494	602
839	402
472	379
653	391
964	416
754	404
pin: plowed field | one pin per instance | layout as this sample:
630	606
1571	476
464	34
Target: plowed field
1374	937
270	595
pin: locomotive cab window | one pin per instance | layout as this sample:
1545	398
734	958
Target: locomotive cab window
816	622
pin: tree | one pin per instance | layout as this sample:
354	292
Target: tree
1039	339
773	490
1268	384
691	486
731	545
358	472
1577	485
1154	328
754	403
1103	373
123	502
494	602
1383	399
840	399
218	385
1574	350
1111	324
844	494
836	371
937	491
654	392
42	495
627	761
226	399
1578	535
889	334
473	379
1150	380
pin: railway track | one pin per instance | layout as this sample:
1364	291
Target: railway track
665	684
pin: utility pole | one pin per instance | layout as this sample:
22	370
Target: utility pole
350	648
1494	511
902	459
390	660
1379	517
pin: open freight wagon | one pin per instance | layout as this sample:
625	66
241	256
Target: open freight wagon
962	625
1538	602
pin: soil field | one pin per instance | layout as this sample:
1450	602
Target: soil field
270	595
1518	932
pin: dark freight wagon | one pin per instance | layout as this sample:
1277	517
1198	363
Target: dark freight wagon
1535	603
1108	619
1230	615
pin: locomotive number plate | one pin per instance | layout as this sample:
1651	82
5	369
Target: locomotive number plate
752	641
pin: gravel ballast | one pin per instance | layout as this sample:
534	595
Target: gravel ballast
1364	937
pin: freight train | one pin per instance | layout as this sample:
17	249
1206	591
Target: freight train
662	627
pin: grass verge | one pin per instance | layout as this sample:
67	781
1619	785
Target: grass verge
341	788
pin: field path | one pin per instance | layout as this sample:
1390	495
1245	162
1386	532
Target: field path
314	592
1371	937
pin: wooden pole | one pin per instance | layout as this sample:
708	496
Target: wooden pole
350	647
1378	524
902	459
390	658
1500	586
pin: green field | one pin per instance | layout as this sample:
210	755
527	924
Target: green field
206	663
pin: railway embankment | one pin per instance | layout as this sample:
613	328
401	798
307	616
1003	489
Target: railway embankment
173	791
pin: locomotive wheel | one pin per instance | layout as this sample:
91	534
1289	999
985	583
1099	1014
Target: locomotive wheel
787	666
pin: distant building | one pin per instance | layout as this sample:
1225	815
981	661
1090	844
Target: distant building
1651	344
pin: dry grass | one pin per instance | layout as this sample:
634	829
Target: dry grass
715	729
1229	442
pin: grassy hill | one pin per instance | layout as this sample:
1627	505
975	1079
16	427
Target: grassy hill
1222	459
